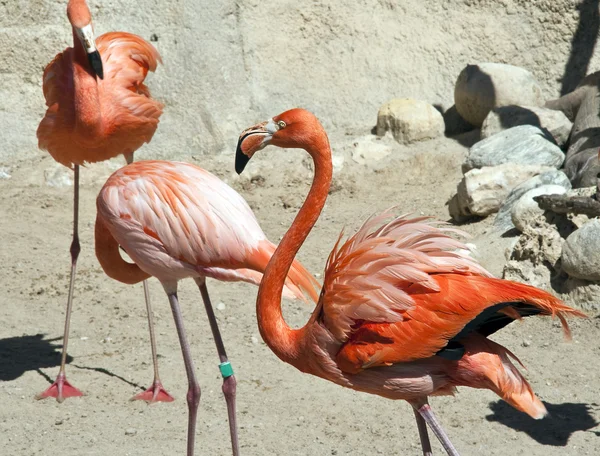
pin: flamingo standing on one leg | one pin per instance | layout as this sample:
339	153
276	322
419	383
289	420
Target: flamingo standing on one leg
403	313
176	220
98	108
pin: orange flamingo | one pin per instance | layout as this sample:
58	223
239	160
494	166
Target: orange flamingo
176	220
98	108
403	313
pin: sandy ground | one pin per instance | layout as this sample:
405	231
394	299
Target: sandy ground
281	411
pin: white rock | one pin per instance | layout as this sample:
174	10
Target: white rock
409	120
221	306
4	173
523	145
368	149
581	252
505	117
58	176
503	220
526	209
338	162
481	88
482	191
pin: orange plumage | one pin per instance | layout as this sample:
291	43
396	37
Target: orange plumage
404	311
128	116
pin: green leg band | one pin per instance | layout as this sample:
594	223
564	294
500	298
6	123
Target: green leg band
226	369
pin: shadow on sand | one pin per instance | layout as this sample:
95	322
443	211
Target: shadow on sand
562	421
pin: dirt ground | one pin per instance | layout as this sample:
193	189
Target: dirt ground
281	411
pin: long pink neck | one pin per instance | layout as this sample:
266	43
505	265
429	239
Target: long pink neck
286	342
88	115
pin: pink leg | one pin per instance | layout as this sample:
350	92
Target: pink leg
424	410
229	381
422	426
193	394
61	388
156	392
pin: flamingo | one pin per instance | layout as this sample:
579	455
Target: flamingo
404	312
176	220
98	108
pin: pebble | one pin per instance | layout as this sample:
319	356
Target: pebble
130	431
254	339
220	306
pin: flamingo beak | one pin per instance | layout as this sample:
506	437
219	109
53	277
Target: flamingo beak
252	140
86	35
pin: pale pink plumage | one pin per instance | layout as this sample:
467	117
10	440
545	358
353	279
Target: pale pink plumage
177	220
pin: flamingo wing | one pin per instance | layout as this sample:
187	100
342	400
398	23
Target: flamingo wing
439	320
406	290
126	59
366	277
188	218
198	218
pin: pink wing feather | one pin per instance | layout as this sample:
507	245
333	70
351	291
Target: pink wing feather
364	276
177	220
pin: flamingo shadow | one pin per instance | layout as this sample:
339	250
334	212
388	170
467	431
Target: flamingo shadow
562	421
25	353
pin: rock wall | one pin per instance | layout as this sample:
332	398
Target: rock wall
230	63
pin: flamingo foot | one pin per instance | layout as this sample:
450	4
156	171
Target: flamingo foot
61	389
155	393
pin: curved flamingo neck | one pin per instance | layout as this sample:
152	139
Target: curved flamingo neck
286	342
109	257
86	98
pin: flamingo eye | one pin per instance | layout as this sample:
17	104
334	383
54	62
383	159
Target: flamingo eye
281	124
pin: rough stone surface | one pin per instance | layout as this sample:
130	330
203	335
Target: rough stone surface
482	191
535	257
526	210
503	221
58	176
409	120
481	88
581	252
325	56
368	149
585	294
523	145
549	120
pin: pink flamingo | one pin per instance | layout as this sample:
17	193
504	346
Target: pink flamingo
98	108
403	312
176	220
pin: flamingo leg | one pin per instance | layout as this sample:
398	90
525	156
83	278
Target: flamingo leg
424	410
61	388
422	426
229	381
193	394
156	392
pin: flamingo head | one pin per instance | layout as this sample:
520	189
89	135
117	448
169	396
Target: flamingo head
81	21
296	128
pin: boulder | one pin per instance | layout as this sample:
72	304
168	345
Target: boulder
409	120
482	191
581	252
503	221
549	120
583	294
526	210
481	88
522	145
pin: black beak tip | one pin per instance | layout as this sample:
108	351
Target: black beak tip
96	64
241	159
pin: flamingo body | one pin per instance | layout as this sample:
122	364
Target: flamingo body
404	311
128	116
177	220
